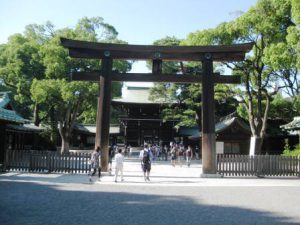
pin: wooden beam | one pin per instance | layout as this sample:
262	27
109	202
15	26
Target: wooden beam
96	54
92	50
103	111
150	77
157	66
209	162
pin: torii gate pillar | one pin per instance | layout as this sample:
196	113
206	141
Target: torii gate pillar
103	110
209	161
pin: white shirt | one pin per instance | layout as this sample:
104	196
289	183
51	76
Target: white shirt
119	158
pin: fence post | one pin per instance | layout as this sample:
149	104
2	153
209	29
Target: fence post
6	161
298	158
48	162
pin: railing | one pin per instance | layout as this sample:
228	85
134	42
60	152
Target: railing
258	165
47	161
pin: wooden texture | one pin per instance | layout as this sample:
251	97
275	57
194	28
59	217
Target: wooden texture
258	165
150	77
95	50
209	162
157	66
103	111
47	161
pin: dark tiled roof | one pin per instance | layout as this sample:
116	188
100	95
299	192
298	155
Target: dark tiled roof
91	129
219	127
293	125
8	114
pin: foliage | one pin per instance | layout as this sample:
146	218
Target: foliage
20	63
185	99
289	152
267	25
36	67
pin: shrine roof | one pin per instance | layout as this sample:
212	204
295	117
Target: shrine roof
136	95
222	125
6	110
91	128
31	128
293	125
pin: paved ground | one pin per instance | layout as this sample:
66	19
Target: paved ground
173	196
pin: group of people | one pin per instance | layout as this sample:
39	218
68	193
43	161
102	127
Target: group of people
146	156
179	153
95	163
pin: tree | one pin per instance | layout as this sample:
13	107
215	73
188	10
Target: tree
185	99
265	24
58	65
65	100
37	69
20	63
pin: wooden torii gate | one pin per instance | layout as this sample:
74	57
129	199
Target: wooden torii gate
206	54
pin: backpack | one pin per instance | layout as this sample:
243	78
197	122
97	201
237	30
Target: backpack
146	157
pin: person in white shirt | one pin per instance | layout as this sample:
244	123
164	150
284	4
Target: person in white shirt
119	159
189	155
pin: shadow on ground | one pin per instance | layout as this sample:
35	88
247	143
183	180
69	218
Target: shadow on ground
28	203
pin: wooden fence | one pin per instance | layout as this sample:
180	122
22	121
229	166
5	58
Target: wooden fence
258	165
46	161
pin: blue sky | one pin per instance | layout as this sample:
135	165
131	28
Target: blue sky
137	21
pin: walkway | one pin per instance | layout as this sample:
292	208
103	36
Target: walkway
174	196
162	174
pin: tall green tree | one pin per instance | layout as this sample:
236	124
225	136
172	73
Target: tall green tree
265	24
37	68
20	63
70	107
65	102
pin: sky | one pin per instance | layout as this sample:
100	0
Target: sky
137	21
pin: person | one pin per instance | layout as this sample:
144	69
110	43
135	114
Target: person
111	154
119	159
189	155
165	152
130	150
146	157
173	155
95	163
180	152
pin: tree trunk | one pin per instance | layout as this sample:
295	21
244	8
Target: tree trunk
53	123
255	145
65	143
36	118
65	135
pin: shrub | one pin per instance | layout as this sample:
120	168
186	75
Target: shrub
288	152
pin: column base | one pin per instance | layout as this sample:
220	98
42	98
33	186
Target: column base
211	175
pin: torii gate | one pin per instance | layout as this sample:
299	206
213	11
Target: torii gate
206	54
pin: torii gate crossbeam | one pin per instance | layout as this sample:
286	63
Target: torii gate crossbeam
206	54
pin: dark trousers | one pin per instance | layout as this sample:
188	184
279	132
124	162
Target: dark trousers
99	172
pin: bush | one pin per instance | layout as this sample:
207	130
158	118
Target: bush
288	152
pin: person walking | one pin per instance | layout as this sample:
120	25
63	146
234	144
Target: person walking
189	155
119	159
146	156
173	156
165	152
111	154
95	164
